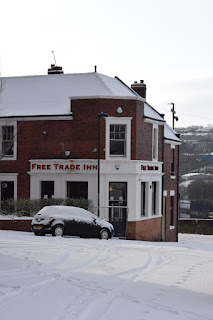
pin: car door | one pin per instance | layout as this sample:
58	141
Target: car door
87	225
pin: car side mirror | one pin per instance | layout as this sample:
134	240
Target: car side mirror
94	220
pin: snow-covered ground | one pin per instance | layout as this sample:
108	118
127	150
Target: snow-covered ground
89	279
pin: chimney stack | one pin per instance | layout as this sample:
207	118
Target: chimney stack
140	88
55	70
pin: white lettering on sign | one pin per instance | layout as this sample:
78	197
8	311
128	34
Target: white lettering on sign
149	167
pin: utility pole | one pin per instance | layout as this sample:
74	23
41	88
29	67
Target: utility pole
174	117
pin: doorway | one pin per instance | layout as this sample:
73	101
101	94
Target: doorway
118	207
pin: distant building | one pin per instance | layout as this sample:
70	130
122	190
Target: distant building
49	142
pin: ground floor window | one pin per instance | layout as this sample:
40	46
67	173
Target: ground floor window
7	190
143	198
77	189
171	211
47	189
154	198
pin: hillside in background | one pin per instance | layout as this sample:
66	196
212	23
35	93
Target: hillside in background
197	143
196	172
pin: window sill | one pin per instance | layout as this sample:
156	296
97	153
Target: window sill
7	158
172	227
117	155
173	177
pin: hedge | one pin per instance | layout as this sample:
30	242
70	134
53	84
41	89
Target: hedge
28	207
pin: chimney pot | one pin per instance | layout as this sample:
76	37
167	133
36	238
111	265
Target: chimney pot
140	88
55	70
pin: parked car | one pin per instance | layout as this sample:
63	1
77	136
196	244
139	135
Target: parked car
66	220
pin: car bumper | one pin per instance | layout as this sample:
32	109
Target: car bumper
40	228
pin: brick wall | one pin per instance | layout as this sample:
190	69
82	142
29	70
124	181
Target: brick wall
168	185
48	139
16	225
196	226
146	230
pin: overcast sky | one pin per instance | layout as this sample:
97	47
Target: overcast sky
166	43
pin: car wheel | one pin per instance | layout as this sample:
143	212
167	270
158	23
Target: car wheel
58	231
104	234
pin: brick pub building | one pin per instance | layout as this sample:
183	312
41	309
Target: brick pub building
49	149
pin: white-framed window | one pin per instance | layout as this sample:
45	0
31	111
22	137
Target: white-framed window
172	197
155	142
172	160
118	138
155	197
8	183
8	140
117	144
144	200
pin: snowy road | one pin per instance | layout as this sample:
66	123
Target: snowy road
90	279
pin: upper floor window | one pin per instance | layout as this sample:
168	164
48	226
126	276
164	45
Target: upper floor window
117	140
155	143
7	141
172	161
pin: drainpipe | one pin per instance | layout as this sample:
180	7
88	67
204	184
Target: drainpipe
177	222
163	224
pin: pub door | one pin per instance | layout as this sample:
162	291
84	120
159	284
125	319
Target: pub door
118	207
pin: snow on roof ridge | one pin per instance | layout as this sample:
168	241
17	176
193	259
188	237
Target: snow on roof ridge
98	76
52	75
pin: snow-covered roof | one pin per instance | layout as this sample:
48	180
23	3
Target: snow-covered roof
170	134
50	94
151	113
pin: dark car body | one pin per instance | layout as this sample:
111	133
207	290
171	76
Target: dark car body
73	221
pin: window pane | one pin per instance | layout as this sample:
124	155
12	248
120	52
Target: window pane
122	136
117	135
112	128
7	148
117	147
